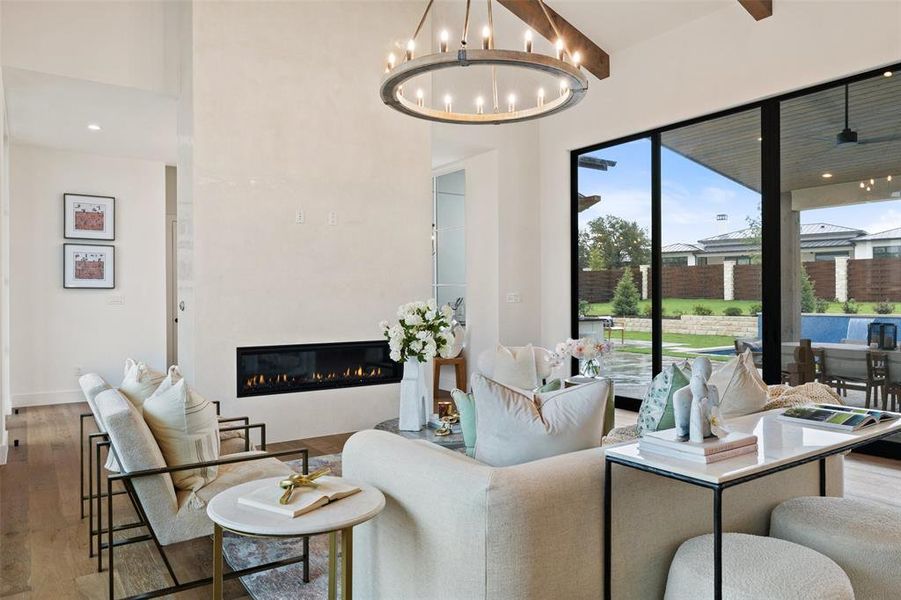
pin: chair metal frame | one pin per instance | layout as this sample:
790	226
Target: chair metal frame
127	478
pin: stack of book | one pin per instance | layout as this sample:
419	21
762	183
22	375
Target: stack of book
711	450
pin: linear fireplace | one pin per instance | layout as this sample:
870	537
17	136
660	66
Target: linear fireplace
265	370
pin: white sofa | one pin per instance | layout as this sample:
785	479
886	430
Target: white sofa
456	529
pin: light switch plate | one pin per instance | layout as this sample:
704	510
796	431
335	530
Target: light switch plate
116	299
332	218
513	298
300	217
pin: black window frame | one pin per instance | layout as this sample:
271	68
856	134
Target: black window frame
771	237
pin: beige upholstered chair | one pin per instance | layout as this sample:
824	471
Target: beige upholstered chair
168	514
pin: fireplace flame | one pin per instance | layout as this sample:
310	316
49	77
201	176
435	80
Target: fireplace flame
350	373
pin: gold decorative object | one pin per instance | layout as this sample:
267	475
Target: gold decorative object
445	409
300	480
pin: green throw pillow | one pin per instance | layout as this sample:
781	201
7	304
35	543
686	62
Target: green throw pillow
466	408
656	412
553	385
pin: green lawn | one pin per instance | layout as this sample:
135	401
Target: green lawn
673	306
686	339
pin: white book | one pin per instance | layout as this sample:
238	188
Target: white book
303	500
666	439
704	459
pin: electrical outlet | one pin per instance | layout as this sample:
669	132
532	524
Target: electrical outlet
513	298
332	218
78	371
299	217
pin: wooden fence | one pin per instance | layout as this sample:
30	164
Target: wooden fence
874	279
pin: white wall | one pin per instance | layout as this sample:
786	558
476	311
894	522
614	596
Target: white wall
126	43
286	117
719	61
54	331
5	406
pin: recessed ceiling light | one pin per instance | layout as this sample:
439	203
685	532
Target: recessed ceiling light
827	175
94	127
887	74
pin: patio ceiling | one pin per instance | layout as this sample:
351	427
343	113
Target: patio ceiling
731	147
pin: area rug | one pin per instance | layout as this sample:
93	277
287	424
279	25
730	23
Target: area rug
285	582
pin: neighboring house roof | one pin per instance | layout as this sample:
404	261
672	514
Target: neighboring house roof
813	235
679	247
888	234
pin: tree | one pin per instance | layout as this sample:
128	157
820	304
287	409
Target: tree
808	297
610	242
626	296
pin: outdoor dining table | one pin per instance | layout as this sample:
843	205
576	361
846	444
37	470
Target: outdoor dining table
845	360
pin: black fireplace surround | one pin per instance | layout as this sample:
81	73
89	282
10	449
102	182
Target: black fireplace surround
266	370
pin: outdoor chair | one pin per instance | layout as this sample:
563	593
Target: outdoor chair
875	382
167	514
741	345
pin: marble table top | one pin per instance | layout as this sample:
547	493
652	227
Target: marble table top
224	510
454	441
778	442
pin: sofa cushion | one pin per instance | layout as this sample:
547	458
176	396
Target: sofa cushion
515	367
513	427
741	389
139	382
656	411
466	408
186	428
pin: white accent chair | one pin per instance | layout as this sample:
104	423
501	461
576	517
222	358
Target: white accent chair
543	366
456	528
864	538
169	515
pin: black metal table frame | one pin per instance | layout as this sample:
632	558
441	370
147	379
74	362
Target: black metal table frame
717	489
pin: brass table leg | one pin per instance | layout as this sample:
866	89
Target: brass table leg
217	562
347	551
332	565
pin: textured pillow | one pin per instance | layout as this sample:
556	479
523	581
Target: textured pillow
515	367
514	428
741	388
466	408
139	382
186	428
656	411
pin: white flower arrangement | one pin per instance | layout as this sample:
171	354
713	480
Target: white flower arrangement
422	332
585	348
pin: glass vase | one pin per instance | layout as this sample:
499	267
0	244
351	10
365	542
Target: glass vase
591	367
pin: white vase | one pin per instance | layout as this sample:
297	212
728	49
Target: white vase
412	414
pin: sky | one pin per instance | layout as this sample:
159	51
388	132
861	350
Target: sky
693	195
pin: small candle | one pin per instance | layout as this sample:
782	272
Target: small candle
560	49
540	96
577	58
447	103
528	43
411	46
443	40
511	103
445	409
419	97
480	105
486	37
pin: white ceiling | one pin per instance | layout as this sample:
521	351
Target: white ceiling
53	111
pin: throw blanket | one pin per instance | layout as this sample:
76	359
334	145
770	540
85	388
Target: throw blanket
785	396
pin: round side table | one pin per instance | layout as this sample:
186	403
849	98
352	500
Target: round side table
453	441
341	515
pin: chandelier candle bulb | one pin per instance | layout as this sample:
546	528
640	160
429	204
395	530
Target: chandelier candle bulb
392	60
577	59
480	105
443	40
528	42
486	38
447	103
889	178
511	103
540	96
411	46
563	86
419	97
862	185
560	49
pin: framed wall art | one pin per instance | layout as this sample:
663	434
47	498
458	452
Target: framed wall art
89	266
89	217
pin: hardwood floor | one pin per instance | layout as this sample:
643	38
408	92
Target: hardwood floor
43	540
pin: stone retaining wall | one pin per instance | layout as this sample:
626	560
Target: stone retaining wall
745	327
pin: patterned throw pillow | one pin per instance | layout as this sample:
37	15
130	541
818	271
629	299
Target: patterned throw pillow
656	412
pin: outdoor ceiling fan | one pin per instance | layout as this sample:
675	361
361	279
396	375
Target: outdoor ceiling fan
848	137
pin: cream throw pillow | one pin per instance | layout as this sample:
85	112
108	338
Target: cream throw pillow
741	388
185	426
515	367
139	382
513	427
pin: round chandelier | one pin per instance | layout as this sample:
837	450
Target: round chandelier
565	67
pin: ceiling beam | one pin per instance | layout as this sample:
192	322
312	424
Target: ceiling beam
594	59
759	9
